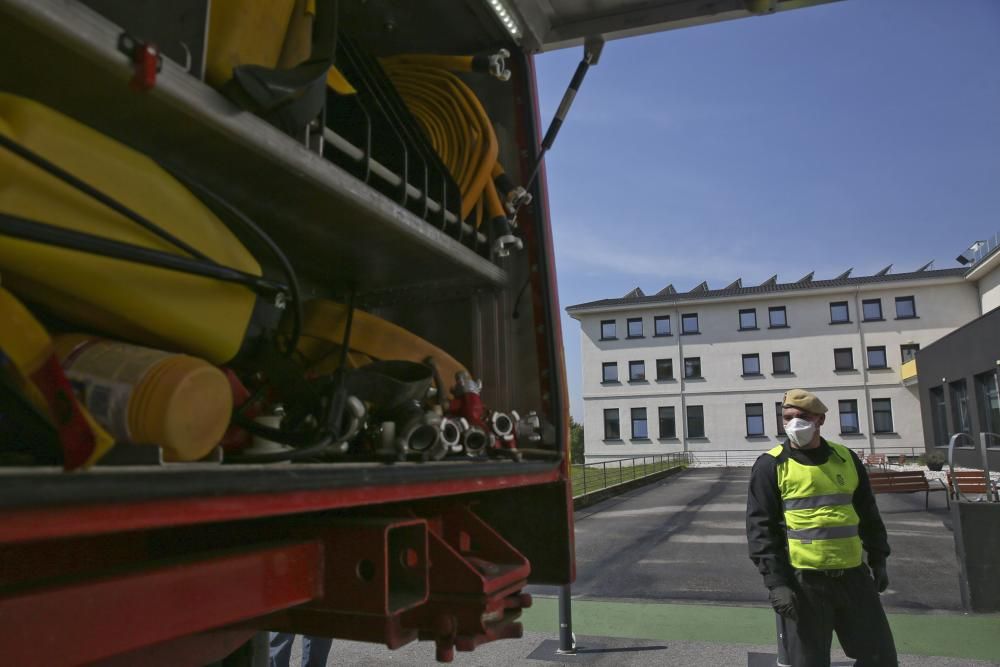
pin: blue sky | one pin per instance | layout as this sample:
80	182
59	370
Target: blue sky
855	134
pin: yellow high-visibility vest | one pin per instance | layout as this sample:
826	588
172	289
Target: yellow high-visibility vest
820	520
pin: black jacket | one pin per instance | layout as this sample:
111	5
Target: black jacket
766	520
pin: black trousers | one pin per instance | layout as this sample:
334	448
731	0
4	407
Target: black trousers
848	604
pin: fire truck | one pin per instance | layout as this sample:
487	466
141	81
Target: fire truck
340	208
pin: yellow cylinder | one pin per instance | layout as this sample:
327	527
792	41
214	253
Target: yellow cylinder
141	395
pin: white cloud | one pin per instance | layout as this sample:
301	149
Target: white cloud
581	251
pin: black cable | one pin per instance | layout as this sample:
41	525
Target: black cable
40	232
514	314
334	414
63	175
286	265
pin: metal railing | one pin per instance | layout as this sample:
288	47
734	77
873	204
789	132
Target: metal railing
590	477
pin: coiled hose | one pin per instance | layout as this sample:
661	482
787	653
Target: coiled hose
457	125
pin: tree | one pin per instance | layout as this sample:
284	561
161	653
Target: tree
575	441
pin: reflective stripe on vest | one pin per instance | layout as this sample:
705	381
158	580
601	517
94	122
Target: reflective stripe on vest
821	523
817	501
830	533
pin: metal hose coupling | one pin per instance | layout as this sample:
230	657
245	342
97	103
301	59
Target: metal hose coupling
517	198
529	428
417	429
502	237
503	424
451	434
476	441
494	63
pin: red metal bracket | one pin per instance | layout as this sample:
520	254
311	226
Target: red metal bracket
146	59
98	618
475	580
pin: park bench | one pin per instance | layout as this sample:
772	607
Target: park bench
905	482
971	483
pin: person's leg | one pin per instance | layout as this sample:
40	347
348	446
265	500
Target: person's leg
809	638
861	624
281	648
315	651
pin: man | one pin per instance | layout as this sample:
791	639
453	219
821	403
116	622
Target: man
315	650
810	511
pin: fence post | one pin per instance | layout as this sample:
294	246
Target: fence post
727	458
604	465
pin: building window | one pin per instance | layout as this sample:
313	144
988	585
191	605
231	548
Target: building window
939	416
634	325
780	430
664	369
776	317
755	419
871	310
876	357
882	414
849	422
988	397
609	371
661	325
636	371
781	362
908	352
639	428
611	426
906	308
692	367
959	393
695	421
839	312
748	319
668	427
751	364
608	330
689	323
843	359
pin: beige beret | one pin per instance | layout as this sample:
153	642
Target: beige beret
803	400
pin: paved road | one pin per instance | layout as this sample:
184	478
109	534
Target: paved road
684	539
664	578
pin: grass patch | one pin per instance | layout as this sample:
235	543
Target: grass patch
594	478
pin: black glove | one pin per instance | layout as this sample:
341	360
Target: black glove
784	601
880	576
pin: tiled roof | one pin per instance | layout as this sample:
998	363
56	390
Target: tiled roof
769	287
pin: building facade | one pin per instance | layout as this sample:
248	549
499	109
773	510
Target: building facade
958	375
706	369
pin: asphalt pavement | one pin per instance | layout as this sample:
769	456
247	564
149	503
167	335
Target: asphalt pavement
663	578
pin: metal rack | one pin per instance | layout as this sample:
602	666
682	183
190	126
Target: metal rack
336	229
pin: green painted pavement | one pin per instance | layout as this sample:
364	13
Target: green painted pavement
949	635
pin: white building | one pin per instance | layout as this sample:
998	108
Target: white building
706	369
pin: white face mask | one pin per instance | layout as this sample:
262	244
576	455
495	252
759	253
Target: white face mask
800	431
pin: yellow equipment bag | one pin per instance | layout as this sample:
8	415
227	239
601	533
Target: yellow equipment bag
127	300
372	339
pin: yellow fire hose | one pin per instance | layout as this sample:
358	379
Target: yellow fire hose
456	123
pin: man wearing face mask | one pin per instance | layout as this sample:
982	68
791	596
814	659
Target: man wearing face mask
810	512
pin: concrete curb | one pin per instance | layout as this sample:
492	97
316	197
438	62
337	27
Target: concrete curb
594	497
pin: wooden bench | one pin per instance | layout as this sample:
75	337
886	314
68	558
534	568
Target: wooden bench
905	482
971	483
876	460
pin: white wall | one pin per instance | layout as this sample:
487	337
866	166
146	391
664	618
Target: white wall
989	289
810	340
